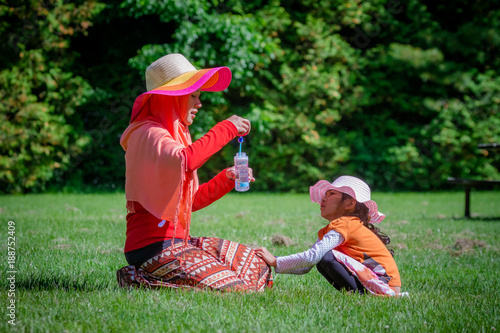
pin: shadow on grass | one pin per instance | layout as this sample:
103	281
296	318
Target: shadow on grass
66	283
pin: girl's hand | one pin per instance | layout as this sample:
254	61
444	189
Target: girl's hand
232	175
266	255
243	125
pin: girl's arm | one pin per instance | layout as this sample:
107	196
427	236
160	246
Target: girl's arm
301	263
310	257
299	271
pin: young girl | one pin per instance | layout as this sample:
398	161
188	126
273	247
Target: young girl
350	252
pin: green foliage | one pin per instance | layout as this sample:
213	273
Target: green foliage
441	99
398	93
39	130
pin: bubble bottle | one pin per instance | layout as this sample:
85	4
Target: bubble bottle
242	176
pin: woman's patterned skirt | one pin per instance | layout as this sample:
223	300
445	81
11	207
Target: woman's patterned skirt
204	263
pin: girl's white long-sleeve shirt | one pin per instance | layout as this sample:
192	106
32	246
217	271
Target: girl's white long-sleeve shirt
301	263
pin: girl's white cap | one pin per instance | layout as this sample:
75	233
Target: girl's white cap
352	186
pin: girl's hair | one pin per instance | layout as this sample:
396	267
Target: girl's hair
361	211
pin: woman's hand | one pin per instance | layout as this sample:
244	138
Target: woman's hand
266	255
232	175
243	125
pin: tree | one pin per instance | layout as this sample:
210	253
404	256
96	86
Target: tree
39	131
397	93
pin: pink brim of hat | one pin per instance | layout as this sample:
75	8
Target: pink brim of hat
211	79
318	191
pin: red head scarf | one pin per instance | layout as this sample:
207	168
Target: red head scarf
156	176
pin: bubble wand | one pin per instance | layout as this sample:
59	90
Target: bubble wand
240	140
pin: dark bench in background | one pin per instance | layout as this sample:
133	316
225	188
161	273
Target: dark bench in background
470	183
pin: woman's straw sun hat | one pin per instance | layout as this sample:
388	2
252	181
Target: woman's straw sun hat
352	186
174	75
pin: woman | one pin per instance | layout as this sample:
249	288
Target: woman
350	252
162	187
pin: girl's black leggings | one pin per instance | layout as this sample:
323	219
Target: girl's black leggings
338	276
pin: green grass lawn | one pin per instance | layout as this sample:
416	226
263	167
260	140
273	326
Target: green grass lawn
68	248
